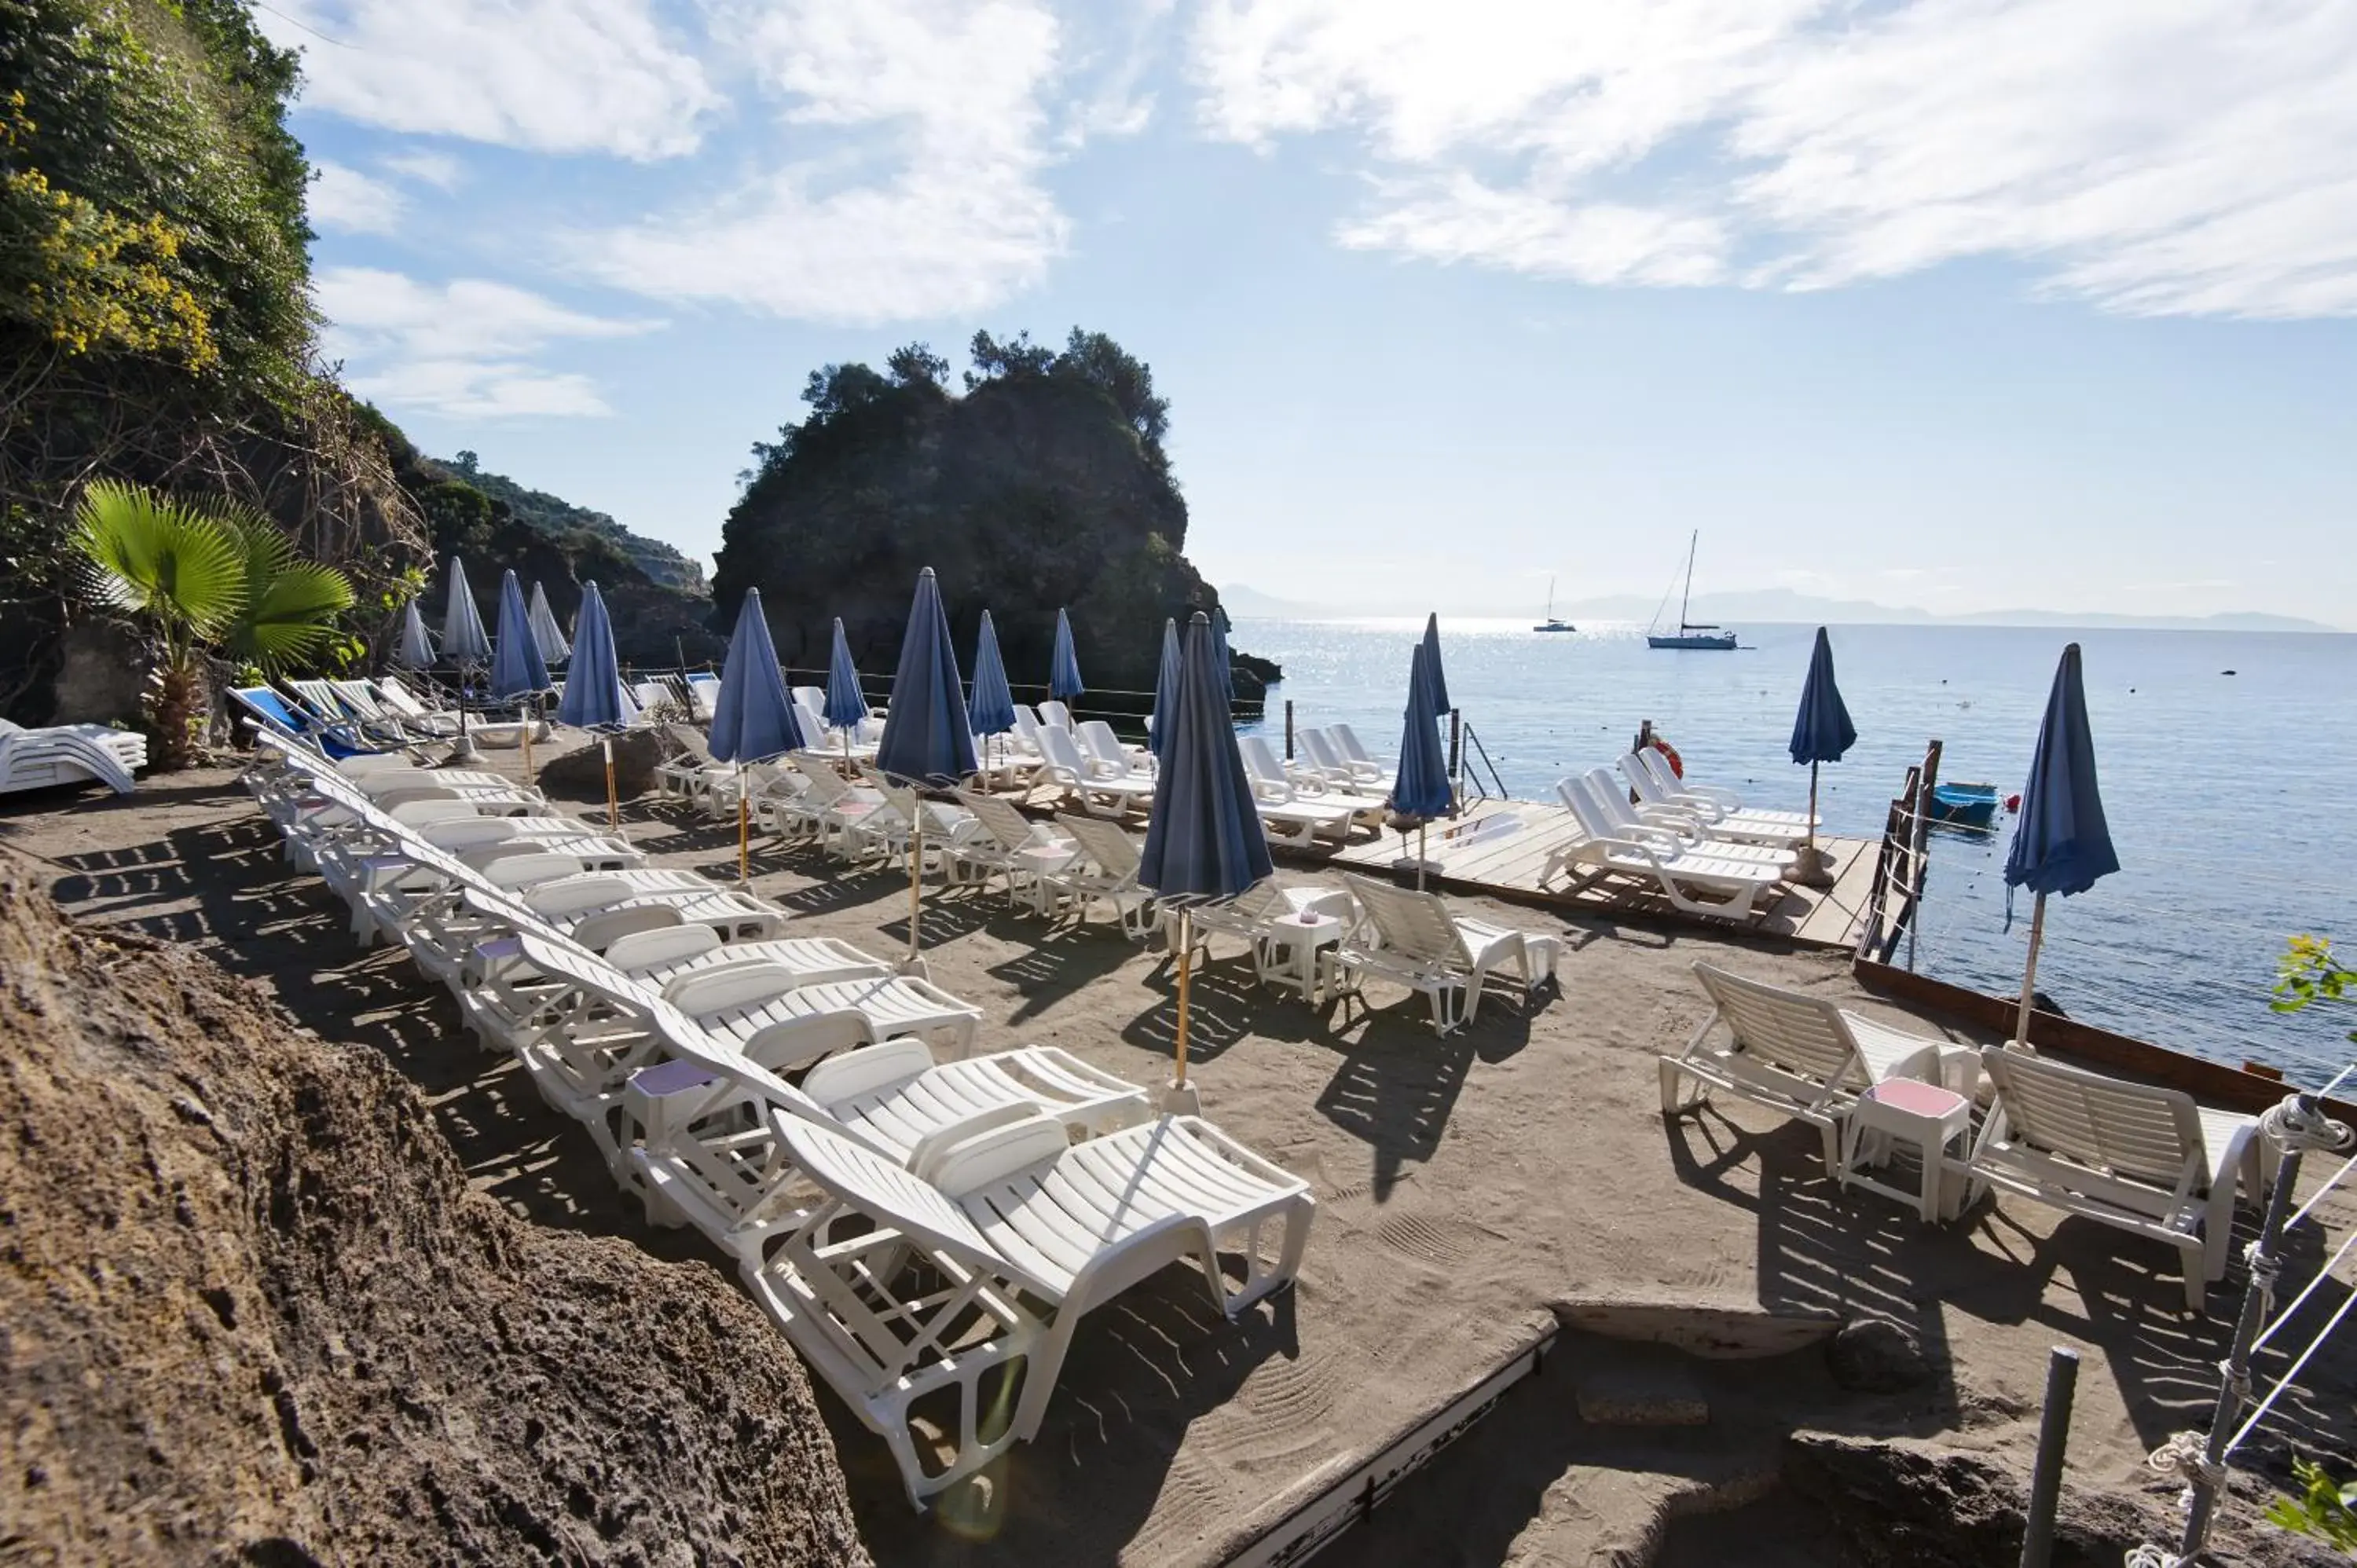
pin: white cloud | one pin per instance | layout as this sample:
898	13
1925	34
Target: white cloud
463	349
913	145
345	200
559	76
439	171
2189	158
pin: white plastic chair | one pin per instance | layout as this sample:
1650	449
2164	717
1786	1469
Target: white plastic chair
1415	939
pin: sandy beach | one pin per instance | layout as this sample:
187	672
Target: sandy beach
1474	1193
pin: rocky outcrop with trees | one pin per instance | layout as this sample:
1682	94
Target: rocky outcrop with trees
1043	485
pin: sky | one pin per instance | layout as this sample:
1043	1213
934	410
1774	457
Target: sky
1964	305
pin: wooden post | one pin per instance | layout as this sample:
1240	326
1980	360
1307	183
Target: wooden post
1288	729
1456	745
1923	845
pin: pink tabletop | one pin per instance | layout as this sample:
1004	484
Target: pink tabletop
1917	1098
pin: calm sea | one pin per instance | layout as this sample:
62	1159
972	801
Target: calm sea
2225	760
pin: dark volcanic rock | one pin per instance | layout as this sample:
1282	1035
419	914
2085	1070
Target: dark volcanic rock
581	774
252	1312
1876	1356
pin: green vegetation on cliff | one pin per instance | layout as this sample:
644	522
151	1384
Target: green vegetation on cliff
156	323
1043	485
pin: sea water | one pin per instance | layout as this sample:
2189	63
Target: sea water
2223	757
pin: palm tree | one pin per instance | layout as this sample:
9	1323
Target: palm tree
203	576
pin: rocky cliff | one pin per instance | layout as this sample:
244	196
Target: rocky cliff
252	1312
1043	486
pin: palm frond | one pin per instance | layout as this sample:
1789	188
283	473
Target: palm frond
151	555
293	616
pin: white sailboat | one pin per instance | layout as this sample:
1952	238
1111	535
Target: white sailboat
1689	634
1550	623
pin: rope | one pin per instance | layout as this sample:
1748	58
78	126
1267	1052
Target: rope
2184	1455
2153	1557
2294	1123
2267	1403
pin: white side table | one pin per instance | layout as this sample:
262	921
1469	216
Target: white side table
1907	1110
1286	952
1038	862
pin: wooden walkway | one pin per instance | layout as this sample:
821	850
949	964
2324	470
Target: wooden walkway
1508	865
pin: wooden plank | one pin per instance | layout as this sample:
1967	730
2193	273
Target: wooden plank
2213	1083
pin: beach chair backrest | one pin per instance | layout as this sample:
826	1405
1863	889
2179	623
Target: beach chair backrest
444	812
530	869
1322	756
1415	925
1260	759
1656	767
1803	1034
399	697
1641	777
826	785
724	988
574	894
892	1195
1056	745
599	932
1052	712
358	698
1106	843
1346	740
1102	743
1593	821
811	697
2133	1131
635	951
1608	793
703	695
271	708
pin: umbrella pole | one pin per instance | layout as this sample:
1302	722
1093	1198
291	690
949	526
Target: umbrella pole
1186	972
1811	844
531	714
613	811
744	832
916	874
1420	829
2029	973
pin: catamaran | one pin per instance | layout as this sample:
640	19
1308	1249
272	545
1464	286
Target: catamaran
1550	623
1690	633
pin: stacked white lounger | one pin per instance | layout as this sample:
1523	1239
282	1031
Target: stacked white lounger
70	754
661	1011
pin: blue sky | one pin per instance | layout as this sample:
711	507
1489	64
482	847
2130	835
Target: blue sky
1959	303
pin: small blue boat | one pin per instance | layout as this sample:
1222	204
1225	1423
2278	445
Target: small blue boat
1970	806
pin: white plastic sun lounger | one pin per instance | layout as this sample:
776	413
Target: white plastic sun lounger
2146	1161
1062	764
1787	1051
1649	775
693	1133
1256	914
413	712
1675	830
1113	759
1678	874
1346	741
70	754
990	843
1030	1231
1415	939
1328	761
1299	813
1105	872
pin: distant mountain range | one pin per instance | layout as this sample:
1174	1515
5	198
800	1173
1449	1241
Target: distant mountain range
1783	605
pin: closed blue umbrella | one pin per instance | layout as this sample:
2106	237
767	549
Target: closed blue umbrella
1064	674
2062	844
594	696
992	712
1421	789
517	670
463	644
927	737
846	704
753	717
1434	676
415	649
463	641
1821	730
1204	842
545	632
1166	692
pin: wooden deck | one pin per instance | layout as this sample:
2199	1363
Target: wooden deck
1508	865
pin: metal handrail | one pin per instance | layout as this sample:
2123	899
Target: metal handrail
1474	748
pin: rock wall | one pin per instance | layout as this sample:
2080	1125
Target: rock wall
252	1312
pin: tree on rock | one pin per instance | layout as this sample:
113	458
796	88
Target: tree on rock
1043	485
